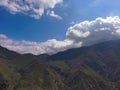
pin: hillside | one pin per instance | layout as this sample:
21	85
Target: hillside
95	67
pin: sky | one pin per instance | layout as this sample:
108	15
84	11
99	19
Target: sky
50	26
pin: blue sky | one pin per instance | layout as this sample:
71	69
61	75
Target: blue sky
19	24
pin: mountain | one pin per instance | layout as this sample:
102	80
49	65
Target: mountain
103	58
20	72
95	67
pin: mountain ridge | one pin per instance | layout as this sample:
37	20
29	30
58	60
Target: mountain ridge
95	67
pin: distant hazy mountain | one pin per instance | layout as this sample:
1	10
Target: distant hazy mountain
95	67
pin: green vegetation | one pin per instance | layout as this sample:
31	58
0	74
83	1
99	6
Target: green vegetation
88	68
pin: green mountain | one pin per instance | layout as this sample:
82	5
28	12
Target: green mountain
95	67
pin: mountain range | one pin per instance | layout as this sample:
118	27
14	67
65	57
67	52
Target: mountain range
95	67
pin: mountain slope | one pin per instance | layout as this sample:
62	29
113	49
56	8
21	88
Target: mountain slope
103	58
95	67
19	72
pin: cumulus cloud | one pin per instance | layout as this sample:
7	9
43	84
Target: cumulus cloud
81	34
51	46
53	14
98	30
33	8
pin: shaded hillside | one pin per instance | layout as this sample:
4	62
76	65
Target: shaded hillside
103	58
94	67
75	52
19	72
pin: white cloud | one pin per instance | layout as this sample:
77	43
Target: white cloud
81	34
51	46
33	8
53	14
117	32
90	32
2	36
